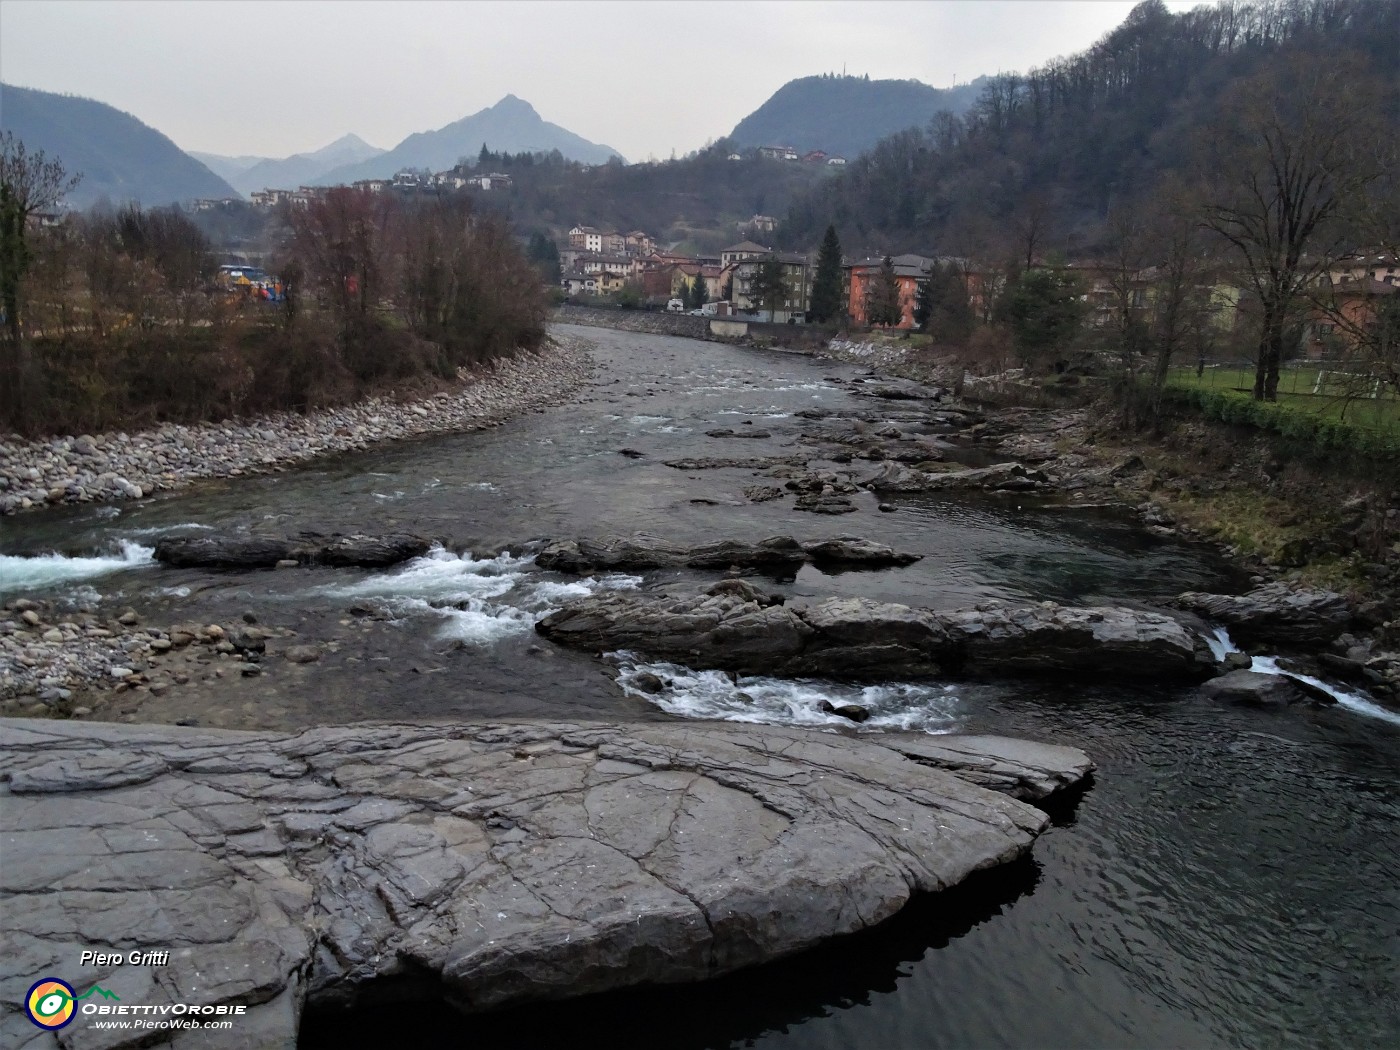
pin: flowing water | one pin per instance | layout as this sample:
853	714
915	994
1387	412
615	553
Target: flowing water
1229	879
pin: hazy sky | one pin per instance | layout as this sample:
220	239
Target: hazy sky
646	77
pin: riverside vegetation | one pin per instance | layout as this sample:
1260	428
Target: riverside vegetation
116	319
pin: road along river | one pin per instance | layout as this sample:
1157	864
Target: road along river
1228	880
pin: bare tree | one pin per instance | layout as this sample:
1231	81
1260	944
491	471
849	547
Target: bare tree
29	183
1285	159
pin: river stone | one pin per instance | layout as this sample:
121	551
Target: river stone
490	864
861	639
1275	613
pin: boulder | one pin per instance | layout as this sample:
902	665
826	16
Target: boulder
488	864
1002	477
861	639
1255	689
251	552
856	551
777	555
1275	614
223	552
1126	643
371	552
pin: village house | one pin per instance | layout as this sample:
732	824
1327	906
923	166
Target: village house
777	152
815	156
587	238
618	264
1361	286
737	253
909	271
372	185
758	224
797	277
836	162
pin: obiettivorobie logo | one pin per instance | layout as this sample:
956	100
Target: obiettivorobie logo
51	1003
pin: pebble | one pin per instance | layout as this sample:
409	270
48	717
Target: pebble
108	467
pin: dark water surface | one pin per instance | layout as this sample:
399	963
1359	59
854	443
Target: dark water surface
1229	879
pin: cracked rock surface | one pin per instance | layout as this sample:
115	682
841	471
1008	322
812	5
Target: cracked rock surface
490	864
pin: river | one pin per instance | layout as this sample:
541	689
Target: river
1229	879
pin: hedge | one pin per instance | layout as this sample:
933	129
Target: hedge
1293	421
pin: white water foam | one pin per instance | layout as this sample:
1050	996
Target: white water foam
47	570
161	530
480	600
1354	700
792	702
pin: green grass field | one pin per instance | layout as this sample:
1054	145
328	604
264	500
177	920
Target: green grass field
1295	394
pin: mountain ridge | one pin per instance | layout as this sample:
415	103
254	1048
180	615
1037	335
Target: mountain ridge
120	157
847	115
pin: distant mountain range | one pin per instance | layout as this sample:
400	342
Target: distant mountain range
247	174
120	158
847	115
510	126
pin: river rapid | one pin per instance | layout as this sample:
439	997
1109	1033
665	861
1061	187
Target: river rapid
1229	878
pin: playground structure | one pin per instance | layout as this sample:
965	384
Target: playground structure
251	282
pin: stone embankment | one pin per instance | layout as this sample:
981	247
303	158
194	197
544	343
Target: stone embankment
649	322
121	466
485	864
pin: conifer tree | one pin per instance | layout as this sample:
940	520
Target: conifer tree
826	284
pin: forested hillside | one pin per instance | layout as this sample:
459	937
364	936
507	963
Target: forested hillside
1058	146
847	115
119	158
695	201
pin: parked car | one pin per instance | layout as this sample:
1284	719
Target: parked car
675	306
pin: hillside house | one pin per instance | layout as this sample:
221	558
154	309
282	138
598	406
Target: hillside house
372	185
836	162
586	238
777	152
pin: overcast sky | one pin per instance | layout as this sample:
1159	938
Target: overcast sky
646	78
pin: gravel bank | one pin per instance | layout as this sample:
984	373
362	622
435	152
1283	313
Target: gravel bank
117	466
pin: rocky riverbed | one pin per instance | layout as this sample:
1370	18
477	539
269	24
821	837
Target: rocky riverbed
121	466
489	864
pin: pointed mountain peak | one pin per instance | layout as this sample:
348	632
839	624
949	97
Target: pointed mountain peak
513	106
349	141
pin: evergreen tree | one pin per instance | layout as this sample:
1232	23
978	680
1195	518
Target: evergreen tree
1045	311
544	254
769	285
941	307
882	305
699	294
826	284
727	293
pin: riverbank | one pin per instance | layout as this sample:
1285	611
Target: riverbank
121	466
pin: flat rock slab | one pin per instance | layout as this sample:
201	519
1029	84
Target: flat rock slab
492	864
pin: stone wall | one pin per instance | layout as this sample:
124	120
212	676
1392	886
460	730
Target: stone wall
652	322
